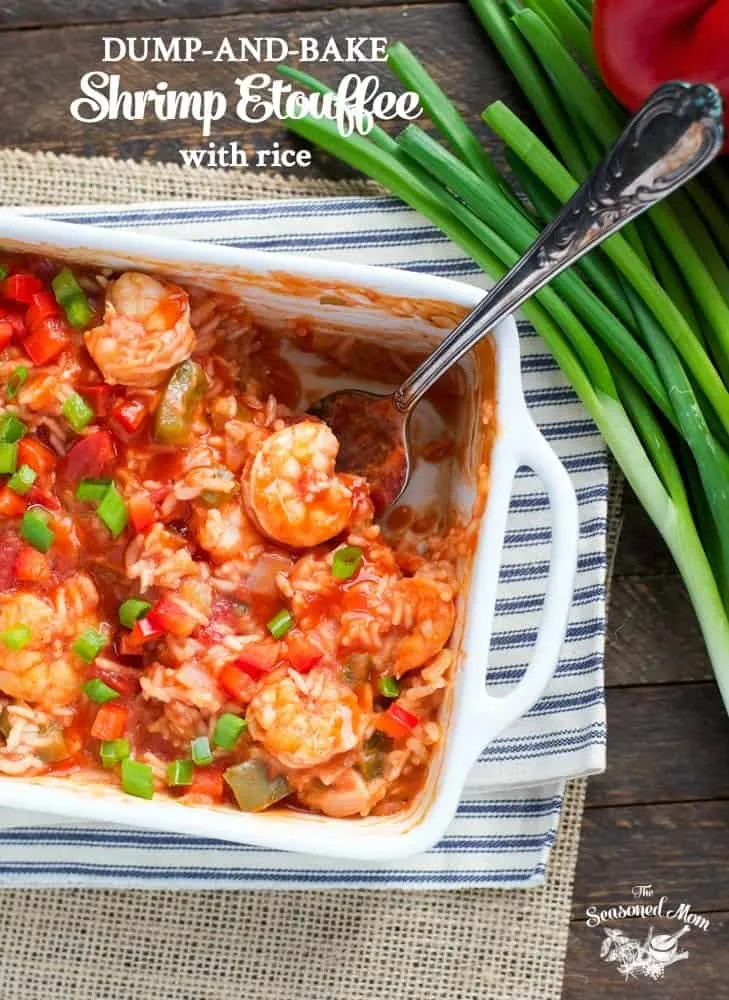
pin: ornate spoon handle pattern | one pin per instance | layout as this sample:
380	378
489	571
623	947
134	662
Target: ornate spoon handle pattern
675	134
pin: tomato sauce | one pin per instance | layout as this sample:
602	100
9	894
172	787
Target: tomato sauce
144	610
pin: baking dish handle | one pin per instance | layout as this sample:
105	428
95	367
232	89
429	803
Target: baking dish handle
497	712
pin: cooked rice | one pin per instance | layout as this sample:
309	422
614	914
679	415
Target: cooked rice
205	553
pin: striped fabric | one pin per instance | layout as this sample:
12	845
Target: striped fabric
509	814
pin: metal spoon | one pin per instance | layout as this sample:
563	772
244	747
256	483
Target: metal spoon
676	133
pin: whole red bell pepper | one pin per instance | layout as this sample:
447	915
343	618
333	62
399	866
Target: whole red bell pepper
640	44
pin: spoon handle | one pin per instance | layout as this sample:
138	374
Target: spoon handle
676	133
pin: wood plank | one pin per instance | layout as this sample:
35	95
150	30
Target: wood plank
680	848
36	104
642	551
41	13
702	974
653	636
665	744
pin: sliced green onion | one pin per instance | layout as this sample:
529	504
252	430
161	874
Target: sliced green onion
113	511
98	692
72	297
16	638
179	772
77	411
66	287
113	751
8	458
137	779
17	380
281	623
11	428
228	730
79	312
23	479
347	561
92	490
388	686
132	610
3	272
35	531
200	751
88	646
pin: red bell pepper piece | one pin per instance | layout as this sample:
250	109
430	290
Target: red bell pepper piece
21	288
401	715
168	616
128	649
207	782
32	566
69	764
641	44
110	722
142	512
238	681
11	503
144	631
47	341
397	722
258	658
36	497
301	654
99	397
6	333
250	667
35	454
91	457
124	680
130	413
42	306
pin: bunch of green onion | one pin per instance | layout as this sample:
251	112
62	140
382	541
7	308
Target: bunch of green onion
640	327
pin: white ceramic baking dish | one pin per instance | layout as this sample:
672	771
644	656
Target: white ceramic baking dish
409	310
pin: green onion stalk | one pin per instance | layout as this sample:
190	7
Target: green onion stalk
639	327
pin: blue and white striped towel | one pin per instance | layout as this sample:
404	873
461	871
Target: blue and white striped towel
508	818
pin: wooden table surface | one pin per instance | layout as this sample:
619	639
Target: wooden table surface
660	814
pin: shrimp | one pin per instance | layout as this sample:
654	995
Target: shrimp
145	333
225	532
348	795
291	489
305	720
46	672
429	612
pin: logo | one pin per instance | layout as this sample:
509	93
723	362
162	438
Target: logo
649	953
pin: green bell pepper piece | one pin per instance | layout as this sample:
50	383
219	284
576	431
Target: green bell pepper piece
173	418
254	789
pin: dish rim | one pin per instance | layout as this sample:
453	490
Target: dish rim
475	718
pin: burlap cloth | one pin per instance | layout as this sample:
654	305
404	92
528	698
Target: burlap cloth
348	945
